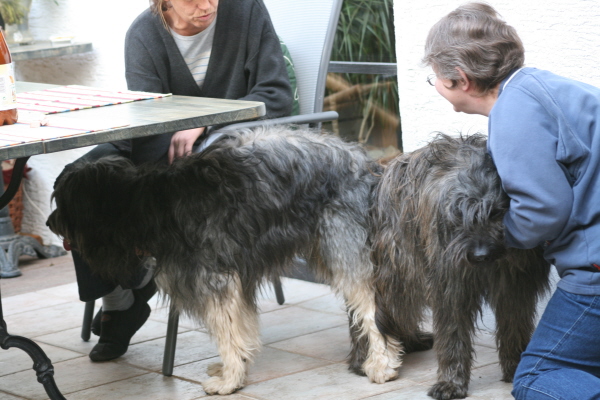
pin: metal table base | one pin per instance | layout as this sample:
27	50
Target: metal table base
41	363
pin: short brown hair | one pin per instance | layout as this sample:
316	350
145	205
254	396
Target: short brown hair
475	39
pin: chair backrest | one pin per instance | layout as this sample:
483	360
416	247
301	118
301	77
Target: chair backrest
307	28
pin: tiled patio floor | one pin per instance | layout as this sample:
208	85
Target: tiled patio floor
305	343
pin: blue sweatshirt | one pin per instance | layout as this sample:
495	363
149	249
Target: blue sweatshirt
544	137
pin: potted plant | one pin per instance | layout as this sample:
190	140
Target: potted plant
15	16
368	104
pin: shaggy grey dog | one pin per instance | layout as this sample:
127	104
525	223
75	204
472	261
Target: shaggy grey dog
221	222
439	242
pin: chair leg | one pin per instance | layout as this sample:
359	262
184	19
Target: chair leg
278	290
88	315
170	343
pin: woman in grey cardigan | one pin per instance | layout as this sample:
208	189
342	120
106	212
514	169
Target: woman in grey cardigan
206	48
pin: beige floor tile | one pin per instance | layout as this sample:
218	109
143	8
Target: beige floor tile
331	382
70	376
39	274
486	384
296	291
69	291
272	363
330	344
16	360
412	391
153	330
268	305
152	386
485	356
69	339
161	313
6	396
485	338
30	302
269	364
191	346
296	321
47	320
330	303
422	366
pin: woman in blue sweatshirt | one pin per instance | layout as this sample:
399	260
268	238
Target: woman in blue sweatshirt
544	137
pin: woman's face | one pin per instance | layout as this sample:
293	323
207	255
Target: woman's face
189	17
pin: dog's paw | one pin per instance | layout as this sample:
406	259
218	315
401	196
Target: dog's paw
218	385
508	370
215	369
508	377
380	373
447	391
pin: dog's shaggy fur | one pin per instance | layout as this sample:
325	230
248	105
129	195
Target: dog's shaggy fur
439	242
221	222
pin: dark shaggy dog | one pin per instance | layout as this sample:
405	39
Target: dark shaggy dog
221	222
439	242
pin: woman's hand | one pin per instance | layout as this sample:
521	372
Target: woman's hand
182	143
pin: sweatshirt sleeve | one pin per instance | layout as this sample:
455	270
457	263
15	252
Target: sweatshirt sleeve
523	140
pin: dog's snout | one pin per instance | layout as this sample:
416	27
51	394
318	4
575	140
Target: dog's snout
482	254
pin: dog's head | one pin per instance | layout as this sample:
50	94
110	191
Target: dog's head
93	215
471	202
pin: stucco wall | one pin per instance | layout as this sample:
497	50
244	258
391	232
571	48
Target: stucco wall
562	36
102	23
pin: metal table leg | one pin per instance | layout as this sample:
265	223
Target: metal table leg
41	363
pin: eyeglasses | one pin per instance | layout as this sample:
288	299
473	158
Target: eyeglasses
431	79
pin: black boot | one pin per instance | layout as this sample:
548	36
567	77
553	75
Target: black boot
117	328
145	293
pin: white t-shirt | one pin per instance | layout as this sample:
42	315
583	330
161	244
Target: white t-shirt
196	51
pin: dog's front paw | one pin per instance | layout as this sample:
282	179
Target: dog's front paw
380	372
383	366
508	377
447	391
218	385
508	370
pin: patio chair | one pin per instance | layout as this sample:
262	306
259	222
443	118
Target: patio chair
308	29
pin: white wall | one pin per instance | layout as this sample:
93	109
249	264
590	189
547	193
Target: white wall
102	23
562	36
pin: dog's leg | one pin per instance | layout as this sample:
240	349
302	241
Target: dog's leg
383	353
513	298
455	305
359	347
346	257
234	325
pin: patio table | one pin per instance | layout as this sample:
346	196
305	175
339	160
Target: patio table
130	120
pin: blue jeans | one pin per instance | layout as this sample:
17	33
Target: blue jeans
562	360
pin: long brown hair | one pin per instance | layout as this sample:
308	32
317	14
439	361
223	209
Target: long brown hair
158	7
